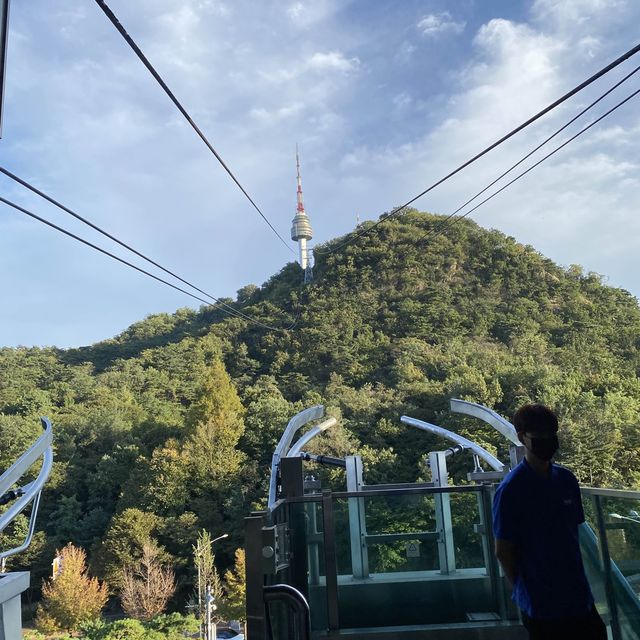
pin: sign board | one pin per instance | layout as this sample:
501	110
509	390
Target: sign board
57	567
413	549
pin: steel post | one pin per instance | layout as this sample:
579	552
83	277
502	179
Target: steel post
330	561
357	519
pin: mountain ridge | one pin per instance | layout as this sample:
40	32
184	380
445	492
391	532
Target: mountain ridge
392	324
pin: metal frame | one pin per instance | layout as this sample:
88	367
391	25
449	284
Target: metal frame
295	600
485	502
421	490
296	449
295	424
43	446
610	493
442	504
287	472
606	567
481	452
486	415
357	518
330	561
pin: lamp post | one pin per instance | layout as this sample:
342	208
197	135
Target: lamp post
632	519
212	631
208	608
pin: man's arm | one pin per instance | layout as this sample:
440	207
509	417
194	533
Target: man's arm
507	554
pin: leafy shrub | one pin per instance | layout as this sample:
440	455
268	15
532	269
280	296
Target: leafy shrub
71	597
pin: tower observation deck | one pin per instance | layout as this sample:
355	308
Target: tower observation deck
301	230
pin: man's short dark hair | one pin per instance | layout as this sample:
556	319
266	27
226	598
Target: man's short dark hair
535	417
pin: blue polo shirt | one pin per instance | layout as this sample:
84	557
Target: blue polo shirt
541	516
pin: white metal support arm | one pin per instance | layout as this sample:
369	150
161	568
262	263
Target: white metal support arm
42	447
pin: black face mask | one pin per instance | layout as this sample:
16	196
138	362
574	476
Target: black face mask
544	448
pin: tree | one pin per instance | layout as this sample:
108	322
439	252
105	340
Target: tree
234	605
124	542
215	425
147	586
71	597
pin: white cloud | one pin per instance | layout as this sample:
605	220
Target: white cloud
437	23
590	46
333	60
311	12
402	101
86	122
572	13
405	52
280	113
296	11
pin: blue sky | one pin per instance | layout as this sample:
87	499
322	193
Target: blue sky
383	97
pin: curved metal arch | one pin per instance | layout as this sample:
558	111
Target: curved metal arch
295	424
486	415
310	435
43	446
481	452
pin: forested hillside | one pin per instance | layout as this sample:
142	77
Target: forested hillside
170	426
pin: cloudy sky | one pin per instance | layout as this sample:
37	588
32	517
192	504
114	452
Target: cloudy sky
383	97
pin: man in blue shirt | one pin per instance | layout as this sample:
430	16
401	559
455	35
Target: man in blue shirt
536	513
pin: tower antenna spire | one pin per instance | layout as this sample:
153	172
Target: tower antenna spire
301	227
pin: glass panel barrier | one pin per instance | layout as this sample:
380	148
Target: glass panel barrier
415	558
592	559
622	526
426	557
610	543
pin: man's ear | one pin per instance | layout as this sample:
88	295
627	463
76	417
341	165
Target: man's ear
520	437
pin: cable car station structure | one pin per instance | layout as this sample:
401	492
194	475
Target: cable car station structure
406	560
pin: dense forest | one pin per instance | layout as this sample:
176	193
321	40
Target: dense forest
168	428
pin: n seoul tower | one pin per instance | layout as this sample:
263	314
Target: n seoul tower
301	227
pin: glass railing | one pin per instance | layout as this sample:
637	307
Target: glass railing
424	556
398	552
611	550
398	557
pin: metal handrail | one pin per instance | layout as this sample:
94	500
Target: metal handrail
296	601
43	446
422	490
611	493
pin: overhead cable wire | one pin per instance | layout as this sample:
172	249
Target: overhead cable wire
542	144
612	65
66	209
441	230
229	310
131	42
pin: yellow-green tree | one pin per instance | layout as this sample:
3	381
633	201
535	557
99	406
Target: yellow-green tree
71	597
234	606
215	425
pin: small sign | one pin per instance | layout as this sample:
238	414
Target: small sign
57	567
413	549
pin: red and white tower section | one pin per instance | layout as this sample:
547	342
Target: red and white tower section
301	227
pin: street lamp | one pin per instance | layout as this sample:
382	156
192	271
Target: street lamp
209	598
224	535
